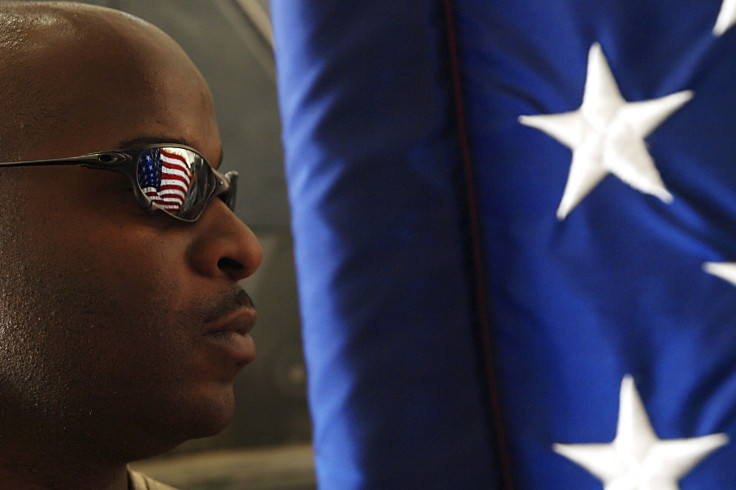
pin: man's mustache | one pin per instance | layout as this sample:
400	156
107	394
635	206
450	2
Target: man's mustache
228	304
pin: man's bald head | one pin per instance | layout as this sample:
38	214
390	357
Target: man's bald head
121	330
62	65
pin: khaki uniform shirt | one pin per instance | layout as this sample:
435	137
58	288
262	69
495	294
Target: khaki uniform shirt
139	481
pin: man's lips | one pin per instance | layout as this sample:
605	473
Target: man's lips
240	321
229	335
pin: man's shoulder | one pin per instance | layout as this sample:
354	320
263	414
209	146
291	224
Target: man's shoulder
139	481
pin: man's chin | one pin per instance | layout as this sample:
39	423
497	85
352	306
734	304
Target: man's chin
208	415
194	417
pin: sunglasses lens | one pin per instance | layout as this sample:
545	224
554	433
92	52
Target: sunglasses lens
229	196
176	180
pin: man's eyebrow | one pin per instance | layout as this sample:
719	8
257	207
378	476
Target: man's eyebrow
152	140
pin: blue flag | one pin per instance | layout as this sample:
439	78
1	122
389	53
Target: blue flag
515	229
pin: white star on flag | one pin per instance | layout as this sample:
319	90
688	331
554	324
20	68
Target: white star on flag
637	459
726	17
606	135
724	270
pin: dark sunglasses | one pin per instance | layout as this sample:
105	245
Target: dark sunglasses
173	178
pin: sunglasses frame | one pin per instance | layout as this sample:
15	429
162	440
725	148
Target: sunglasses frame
126	160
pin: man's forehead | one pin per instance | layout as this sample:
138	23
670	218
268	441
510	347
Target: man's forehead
107	80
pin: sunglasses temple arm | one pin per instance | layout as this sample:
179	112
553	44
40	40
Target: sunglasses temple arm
94	160
38	163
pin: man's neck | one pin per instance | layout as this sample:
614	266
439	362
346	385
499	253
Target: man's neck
47	473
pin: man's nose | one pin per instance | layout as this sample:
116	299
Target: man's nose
224	245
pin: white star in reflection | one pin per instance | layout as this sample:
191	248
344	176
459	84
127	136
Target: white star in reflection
724	270
637	459
726	17
606	135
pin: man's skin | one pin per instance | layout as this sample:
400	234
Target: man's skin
105	308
